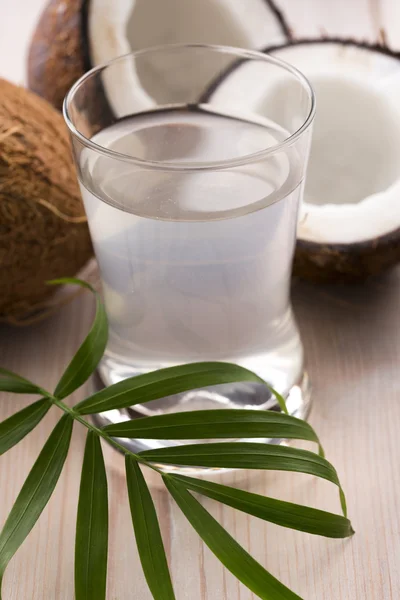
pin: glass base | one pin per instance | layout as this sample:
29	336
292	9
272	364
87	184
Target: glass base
238	395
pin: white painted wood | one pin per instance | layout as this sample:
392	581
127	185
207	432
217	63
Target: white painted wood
352	339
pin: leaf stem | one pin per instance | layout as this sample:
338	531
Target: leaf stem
102	434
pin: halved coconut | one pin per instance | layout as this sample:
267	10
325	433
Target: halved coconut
74	35
349	226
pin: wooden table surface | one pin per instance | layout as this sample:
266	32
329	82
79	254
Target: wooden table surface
352	340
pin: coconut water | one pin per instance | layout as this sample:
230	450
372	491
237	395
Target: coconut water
195	261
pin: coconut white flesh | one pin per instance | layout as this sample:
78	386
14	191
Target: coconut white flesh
122	26
352	191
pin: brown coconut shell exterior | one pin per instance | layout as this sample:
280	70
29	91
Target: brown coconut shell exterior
57	54
346	263
43	229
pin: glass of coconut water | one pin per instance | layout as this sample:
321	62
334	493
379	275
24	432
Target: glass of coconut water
191	161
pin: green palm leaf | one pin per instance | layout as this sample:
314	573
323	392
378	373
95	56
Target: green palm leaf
162	383
90	352
11	382
92	518
280	399
222	423
226	549
92	525
148	535
285	514
245	455
16	427
35	492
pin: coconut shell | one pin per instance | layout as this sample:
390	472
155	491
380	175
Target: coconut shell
57	54
346	263
43	229
353	262
60	48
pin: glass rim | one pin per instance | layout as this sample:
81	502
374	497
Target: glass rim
241	53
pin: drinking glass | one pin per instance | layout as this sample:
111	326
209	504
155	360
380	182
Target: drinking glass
191	162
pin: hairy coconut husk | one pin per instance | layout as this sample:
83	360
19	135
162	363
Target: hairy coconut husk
43	229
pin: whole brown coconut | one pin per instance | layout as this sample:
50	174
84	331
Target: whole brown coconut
43	230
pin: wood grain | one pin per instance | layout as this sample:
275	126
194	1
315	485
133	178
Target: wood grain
352	339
